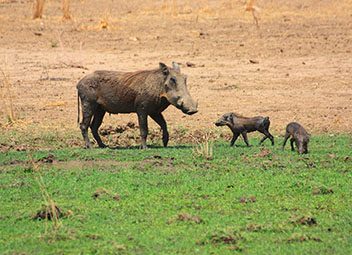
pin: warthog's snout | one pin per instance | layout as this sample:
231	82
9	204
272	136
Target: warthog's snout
190	112
218	124
302	151
192	109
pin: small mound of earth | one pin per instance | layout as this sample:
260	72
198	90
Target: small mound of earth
49	213
304	220
47	159
186	217
109	130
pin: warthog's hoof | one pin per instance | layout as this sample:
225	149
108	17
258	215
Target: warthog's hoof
102	146
88	146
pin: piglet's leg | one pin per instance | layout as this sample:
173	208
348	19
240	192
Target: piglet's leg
292	140
234	138
263	139
287	135
245	138
270	136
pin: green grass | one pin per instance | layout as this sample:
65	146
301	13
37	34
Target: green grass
171	202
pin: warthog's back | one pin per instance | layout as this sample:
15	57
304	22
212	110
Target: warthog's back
295	128
251	124
120	92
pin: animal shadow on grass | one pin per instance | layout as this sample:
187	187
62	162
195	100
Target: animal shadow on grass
238	145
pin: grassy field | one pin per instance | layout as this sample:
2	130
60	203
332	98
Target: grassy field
257	200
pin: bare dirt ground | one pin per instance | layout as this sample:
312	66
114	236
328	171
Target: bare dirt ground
302	53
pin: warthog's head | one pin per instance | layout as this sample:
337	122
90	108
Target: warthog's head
175	89
226	119
302	144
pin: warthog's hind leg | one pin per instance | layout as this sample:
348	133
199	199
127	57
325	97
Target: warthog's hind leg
267	135
245	138
97	120
263	139
87	113
143	128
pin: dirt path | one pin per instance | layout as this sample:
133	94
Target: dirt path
301	53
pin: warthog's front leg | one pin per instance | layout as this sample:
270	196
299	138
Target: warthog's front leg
143	128
159	119
234	138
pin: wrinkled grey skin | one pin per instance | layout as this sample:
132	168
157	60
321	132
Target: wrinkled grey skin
243	125
147	93
299	136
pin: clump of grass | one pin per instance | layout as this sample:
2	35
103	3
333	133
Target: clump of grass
204	147
104	24
54	44
51	211
322	190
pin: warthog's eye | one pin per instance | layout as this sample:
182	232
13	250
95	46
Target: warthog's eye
173	80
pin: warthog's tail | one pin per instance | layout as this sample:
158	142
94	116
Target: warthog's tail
78	110
266	122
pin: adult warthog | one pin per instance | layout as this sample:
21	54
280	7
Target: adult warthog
147	93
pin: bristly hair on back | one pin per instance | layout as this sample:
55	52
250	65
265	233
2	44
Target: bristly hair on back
140	75
237	115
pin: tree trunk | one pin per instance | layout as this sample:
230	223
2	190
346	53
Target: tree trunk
38	9
66	9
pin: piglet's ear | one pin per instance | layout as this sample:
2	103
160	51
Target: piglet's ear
176	67
164	68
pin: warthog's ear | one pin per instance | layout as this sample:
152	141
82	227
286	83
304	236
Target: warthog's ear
164	68
232	116
176	67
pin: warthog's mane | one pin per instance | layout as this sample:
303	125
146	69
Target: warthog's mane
237	115
144	81
138	75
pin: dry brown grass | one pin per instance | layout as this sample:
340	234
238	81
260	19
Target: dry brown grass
204	147
50	206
